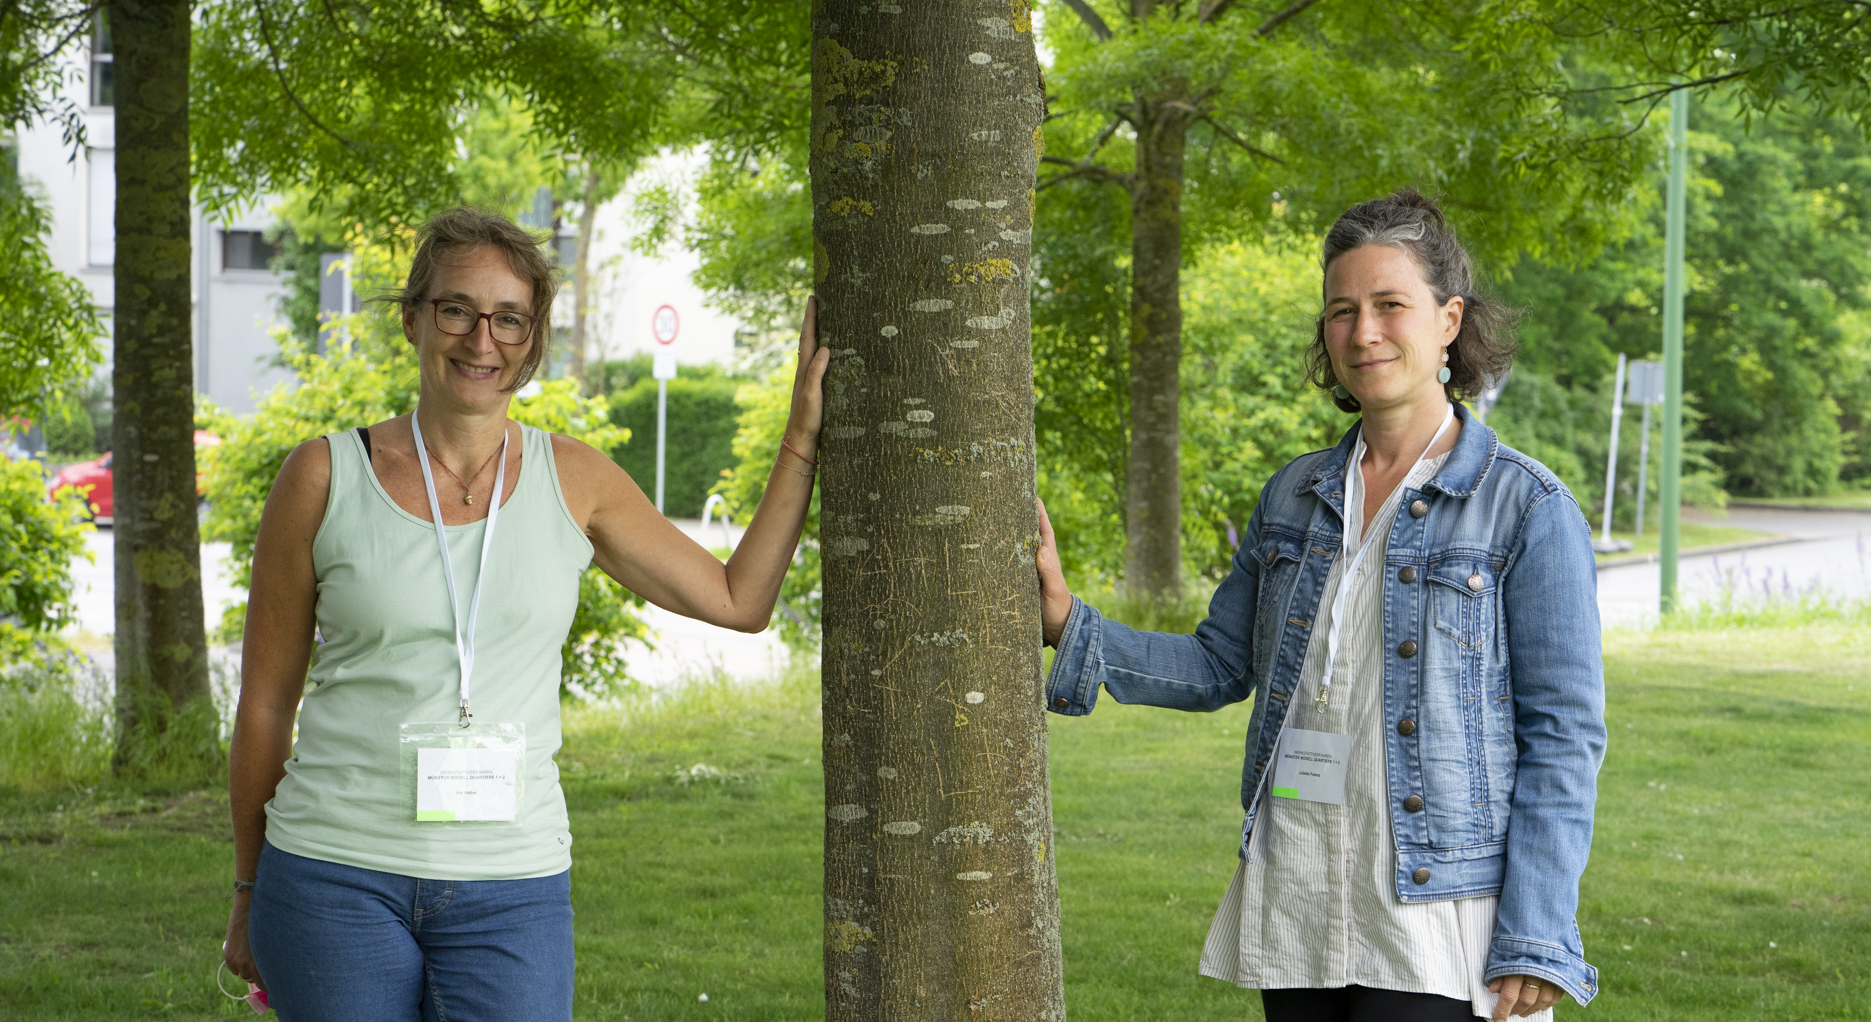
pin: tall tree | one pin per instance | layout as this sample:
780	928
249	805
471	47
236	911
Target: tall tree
940	894
1220	119
166	719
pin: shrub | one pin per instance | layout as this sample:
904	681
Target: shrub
764	408
701	421
38	539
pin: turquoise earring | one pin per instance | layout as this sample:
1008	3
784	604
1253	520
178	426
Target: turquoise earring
1341	393
1442	375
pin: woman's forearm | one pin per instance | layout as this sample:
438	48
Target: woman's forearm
256	763
765	552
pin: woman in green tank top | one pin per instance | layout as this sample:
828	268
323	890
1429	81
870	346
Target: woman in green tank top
407	857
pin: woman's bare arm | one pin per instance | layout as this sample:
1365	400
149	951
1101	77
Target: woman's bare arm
651	557
275	650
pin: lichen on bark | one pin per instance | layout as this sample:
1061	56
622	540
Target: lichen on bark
941	900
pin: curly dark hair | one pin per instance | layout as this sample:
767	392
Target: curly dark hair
1483	350
464	229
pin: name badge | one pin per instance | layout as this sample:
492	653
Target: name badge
1311	766
467	785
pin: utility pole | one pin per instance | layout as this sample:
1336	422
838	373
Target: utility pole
1671	485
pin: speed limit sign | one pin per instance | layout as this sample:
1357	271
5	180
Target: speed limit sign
664	324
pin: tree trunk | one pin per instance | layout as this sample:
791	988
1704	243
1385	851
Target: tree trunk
165	712
940	895
581	273
1153	501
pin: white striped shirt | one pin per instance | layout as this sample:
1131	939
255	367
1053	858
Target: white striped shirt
1315	905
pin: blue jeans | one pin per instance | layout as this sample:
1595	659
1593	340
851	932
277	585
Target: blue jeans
343	944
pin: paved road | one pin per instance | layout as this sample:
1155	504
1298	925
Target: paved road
686	648
1831	555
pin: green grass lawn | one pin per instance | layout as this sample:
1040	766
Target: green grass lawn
1729	876
1694	534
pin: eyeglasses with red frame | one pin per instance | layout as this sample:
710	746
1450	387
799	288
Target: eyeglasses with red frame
459	319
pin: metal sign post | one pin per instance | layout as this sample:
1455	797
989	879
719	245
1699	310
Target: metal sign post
1605	544
1644	386
1670	492
665	324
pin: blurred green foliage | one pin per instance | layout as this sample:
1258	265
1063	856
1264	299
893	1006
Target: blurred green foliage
1777	319
764	408
701	426
39	540
49	325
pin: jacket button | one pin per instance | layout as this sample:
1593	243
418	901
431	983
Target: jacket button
1413	804
1061	702
1407	648
1421	877
1406	574
1475	583
1406	727
1419	508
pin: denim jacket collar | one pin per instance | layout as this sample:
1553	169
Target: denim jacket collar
1461	475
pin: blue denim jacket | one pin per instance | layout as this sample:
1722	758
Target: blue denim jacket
1492	677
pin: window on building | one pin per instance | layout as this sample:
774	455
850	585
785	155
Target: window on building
103	91
246	250
101	207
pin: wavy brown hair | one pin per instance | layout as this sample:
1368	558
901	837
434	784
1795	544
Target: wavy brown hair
464	229
1483	350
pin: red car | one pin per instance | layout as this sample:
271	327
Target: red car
94	476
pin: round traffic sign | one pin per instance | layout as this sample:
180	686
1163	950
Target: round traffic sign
664	324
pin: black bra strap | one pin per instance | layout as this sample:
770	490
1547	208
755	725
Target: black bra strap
363	433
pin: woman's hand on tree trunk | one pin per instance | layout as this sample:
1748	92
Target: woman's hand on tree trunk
808	413
1055	600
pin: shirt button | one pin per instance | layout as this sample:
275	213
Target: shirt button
1419	508
1413	804
1406	575
1475	583
1061	702
1406	727
1421	877
1407	648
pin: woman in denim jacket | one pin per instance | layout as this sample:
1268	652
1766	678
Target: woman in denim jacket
1428	714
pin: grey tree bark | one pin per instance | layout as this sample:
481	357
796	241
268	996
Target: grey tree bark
1153	484
940	895
165	713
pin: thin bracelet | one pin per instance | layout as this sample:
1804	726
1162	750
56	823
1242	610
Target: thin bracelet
243	885
794	471
810	461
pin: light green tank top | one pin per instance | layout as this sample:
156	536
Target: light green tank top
387	655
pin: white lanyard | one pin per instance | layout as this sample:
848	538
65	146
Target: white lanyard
1354	497
464	641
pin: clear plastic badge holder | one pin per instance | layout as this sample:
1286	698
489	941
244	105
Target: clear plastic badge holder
455	774
460	772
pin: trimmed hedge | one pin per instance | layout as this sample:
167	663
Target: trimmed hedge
702	421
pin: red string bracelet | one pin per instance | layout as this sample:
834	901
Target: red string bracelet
796	454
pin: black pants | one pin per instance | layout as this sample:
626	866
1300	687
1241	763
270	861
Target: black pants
1362	1004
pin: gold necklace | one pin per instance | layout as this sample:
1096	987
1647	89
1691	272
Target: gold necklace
467	495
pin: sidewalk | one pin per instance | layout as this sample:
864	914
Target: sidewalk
1824	552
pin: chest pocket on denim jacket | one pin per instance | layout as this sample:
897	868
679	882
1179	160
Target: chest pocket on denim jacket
1461	600
1279	557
